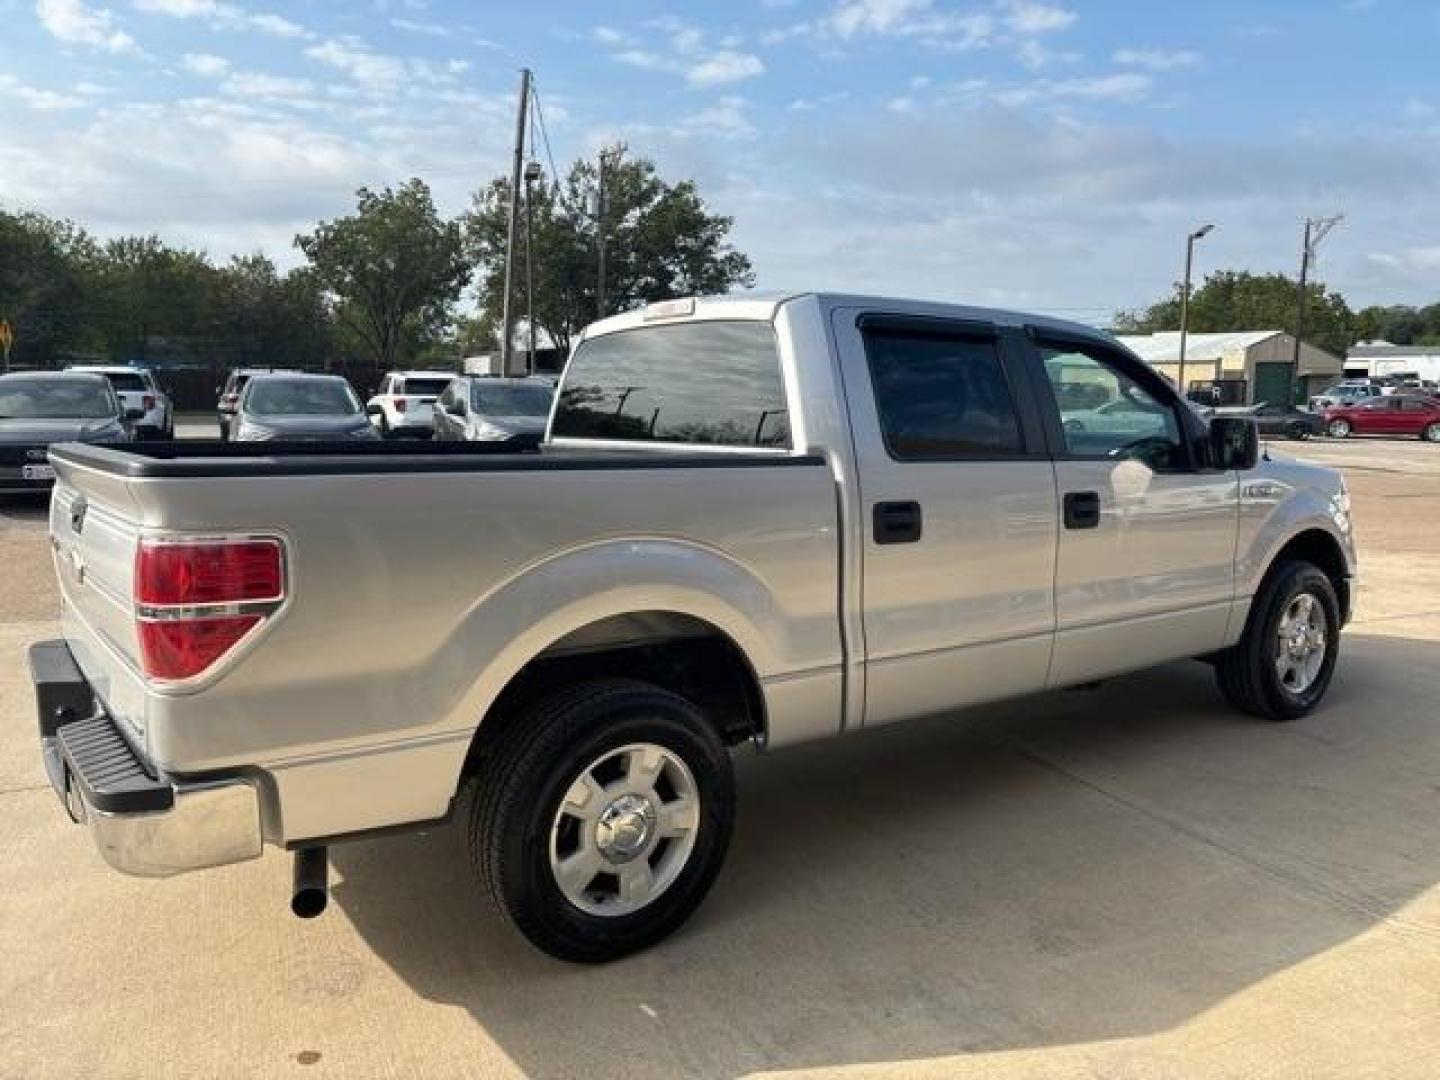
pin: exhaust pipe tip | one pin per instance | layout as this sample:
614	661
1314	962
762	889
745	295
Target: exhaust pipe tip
311	893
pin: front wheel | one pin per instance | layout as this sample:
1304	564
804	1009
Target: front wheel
1431	433
1338	429
1282	666
602	817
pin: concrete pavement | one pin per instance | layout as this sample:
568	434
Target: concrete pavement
1126	882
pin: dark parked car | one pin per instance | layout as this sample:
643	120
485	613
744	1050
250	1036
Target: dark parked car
482	408
40	409
233	388
305	407
1290	421
1394	414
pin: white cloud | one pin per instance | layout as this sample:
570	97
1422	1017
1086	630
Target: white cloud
71	21
1121	86
724	67
258	84
684	51
1010	22
415	26
1033	17
1159	59
376	73
205	64
37	98
222	15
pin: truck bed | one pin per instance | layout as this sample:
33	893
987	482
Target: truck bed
193	458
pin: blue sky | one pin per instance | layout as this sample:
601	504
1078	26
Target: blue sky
1049	154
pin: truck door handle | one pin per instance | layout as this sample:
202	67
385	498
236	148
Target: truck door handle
1082	509
897	522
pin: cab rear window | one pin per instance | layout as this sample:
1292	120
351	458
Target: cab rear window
707	383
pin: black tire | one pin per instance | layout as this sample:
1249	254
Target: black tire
524	778
1431	433
1299	432
1247	672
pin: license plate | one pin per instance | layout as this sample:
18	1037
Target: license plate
37	472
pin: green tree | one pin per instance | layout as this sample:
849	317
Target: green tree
43	292
1233	300
393	268
661	242
1400	324
265	318
143	289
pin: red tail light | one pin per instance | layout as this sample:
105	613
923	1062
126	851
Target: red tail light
400	404
195	600
147	403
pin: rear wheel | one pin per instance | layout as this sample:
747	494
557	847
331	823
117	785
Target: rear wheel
1338	429
602	817
1299	431
1281	667
1431	433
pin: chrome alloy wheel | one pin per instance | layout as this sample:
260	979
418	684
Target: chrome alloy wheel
625	829
1300	643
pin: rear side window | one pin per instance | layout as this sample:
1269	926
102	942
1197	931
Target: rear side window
941	397
707	383
420	387
127	381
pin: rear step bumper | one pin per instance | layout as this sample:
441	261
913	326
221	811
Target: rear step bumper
144	822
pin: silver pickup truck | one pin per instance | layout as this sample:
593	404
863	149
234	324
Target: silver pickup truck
752	521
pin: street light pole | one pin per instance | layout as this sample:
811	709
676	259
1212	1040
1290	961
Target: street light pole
1185	299
1315	231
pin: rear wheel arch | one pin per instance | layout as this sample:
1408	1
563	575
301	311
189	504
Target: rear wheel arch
676	651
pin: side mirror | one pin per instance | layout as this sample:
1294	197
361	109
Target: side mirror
1234	443
372	409
134	414
456	408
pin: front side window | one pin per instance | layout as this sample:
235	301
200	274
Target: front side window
1107	414
708	383
131	381
941	397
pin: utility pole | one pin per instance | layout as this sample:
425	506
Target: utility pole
1185	299
1316	229
507	318
607	157
532	173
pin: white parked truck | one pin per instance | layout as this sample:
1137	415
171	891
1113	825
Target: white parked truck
751	522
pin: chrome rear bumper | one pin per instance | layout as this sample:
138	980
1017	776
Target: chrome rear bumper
144	822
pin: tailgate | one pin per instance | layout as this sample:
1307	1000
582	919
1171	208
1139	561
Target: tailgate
94	535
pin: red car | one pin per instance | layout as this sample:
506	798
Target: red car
1393	414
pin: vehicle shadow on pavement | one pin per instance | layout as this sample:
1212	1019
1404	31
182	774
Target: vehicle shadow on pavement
1081	866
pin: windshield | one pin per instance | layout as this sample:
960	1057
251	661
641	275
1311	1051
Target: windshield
425	387
301	397
56	399
510	400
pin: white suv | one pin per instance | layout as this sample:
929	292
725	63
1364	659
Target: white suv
402	405
137	389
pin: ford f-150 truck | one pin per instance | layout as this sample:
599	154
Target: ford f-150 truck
752	521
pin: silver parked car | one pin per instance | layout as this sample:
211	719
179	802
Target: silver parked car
481	408
39	409
299	407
